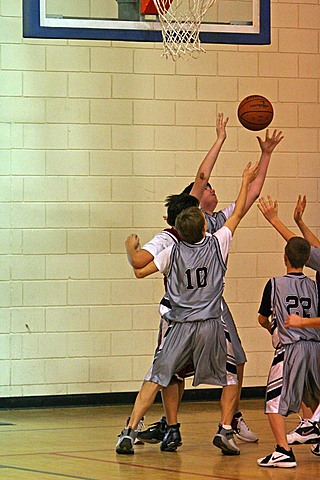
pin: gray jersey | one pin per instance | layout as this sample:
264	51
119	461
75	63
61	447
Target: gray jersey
218	219
293	294
195	281
314	260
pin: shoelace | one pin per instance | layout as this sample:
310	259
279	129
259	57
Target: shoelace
302	421
242	421
140	425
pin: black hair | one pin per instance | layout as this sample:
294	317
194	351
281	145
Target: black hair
298	251
177	203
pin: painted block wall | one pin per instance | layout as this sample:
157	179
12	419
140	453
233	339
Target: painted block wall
93	137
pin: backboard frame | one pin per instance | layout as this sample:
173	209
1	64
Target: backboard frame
37	25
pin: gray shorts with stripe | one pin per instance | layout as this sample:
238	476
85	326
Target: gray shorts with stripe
205	344
294	377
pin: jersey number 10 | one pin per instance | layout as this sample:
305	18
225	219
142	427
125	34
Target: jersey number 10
198	277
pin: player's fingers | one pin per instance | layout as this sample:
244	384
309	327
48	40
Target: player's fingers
262	202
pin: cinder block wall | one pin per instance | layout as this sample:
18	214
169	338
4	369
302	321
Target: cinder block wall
93	136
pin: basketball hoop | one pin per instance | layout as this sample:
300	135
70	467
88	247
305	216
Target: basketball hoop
180	23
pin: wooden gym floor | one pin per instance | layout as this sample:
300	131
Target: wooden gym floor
79	443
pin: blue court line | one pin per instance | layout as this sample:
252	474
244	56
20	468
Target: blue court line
46	473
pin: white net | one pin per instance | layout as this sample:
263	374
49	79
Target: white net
180	22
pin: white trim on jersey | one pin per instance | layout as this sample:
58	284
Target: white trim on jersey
159	242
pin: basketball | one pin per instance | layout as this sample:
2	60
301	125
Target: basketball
255	112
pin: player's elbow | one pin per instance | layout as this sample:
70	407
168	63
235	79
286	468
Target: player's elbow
136	263
139	261
263	321
138	273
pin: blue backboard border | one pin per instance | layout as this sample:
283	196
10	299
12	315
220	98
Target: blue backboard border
33	29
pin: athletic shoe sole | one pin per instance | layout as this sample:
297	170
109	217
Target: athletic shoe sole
278	465
219	442
125	447
171	447
153	441
303	441
316	450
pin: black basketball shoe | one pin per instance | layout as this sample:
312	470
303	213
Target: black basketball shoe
172	439
155	433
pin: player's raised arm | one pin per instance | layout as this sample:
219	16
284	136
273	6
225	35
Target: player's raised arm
305	230
267	147
249	174
207	164
269	210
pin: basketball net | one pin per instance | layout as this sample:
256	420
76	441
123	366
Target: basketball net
180	23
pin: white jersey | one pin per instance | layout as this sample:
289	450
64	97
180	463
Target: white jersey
167	237
160	241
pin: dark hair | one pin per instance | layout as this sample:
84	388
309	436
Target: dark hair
189	225
189	187
297	251
177	203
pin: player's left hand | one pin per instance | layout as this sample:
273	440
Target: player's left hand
293	321
133	241
221	124
270	143
300	208
268	208
250	172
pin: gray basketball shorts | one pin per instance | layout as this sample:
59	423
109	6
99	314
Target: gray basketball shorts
204	343
163	326
239	353
294	377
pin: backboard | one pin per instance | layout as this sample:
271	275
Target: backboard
227	21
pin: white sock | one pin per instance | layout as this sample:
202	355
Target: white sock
227	427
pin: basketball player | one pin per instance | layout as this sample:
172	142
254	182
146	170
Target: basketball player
195	271
305	431
173	393
140	257
297	352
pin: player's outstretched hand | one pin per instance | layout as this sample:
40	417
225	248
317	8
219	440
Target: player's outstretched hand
299	209
250	172
132	242
268	208
270	143
221	124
